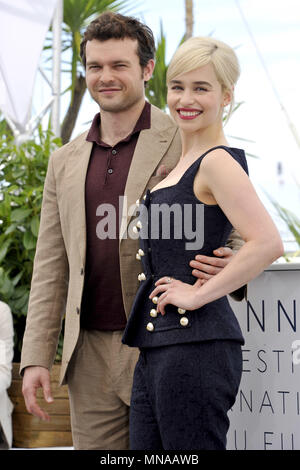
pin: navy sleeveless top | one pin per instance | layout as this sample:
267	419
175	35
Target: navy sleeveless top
174	227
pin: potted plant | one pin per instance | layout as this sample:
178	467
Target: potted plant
22	174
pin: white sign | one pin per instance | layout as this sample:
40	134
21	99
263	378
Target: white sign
266	414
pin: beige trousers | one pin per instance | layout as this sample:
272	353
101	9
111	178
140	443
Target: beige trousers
99	380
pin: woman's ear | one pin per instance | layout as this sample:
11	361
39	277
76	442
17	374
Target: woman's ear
228	95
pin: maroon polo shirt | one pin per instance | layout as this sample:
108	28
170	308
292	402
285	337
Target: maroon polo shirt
102	304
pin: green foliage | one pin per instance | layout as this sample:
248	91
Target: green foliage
156	90
22	174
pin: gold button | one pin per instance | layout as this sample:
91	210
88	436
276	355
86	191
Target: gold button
138	257
141	277
139	224
140	252
181	311
155	300
184	321
153	313
150	327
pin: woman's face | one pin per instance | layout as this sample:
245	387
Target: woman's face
196	99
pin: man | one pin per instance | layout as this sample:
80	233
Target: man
77	271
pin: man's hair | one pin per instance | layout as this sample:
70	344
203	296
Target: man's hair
116	26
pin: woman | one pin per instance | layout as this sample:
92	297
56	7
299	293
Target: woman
190	364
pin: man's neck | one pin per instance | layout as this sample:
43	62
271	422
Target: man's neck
117	126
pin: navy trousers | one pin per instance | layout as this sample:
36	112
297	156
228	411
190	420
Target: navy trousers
181	395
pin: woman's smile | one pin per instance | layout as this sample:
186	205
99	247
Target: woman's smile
188	113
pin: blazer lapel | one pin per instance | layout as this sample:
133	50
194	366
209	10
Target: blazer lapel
150	149
77	166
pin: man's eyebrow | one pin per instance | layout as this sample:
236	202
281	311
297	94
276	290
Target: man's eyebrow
114	62
92	62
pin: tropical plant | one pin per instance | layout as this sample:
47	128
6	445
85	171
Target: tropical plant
156	90
22	174
77	15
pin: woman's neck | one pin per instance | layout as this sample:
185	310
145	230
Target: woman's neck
200	141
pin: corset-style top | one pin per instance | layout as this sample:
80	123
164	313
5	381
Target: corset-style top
174	226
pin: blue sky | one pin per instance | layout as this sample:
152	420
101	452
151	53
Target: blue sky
275	25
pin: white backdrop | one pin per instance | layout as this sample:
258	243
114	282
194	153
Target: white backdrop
23	27
266	415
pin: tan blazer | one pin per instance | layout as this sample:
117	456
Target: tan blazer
59	265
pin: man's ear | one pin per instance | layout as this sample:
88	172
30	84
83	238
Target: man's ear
148	70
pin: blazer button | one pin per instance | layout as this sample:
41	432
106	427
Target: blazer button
138	257
181	311
140	252
142	277
153	313
184	321
150	326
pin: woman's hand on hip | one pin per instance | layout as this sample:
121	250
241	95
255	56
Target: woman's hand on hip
175	292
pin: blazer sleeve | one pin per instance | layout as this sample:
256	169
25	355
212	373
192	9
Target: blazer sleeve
235	242
49	285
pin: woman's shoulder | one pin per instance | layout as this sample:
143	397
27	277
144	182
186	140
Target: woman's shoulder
223	156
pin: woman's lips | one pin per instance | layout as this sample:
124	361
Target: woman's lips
188	114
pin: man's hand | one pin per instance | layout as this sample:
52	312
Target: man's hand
206	267
34	378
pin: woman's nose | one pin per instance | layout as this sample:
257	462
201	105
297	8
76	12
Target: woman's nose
187	97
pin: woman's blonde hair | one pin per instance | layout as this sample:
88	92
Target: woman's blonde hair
199	51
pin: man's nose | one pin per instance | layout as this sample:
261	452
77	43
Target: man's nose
106	75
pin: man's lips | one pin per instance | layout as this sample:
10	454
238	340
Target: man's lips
108	90
188	113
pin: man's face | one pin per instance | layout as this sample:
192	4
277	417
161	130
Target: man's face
114	76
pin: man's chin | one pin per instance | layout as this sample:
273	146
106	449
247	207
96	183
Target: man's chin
116	107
